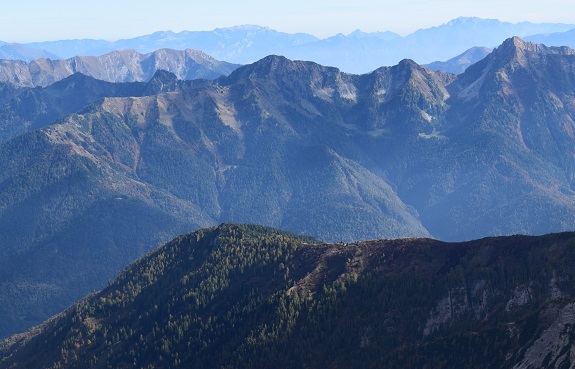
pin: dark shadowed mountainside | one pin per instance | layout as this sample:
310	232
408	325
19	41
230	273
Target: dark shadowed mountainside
254	297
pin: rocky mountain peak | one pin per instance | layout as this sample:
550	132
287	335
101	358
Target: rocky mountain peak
518	44
408	68
198	56
275	66
275	62
162	81
517	49
164	76
514	45
512	55
510	49
407	64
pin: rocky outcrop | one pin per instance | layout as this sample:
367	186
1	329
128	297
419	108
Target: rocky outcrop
555	346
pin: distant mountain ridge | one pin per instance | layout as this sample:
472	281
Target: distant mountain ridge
242	44
116	66
460	63
358	52
22	52
566	38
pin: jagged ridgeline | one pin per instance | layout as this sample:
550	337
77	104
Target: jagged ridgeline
253	297
94	174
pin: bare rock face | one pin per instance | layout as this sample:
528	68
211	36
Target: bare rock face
555	346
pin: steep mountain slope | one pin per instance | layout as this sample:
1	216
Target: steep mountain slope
55	196
402	151
255	147
34	108
511	127
27	109
8	91
460	63
68	225
248	139
117	66
507	121
252	297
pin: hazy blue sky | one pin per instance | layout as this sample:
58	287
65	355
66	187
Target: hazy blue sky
39	20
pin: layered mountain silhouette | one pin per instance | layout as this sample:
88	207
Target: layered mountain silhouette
14	51
564	38
254	297
240	44
401	152
357	52
461	62
116	66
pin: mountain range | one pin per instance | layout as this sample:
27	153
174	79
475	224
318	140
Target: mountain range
564	38
358	52
116	66
255	297
91	180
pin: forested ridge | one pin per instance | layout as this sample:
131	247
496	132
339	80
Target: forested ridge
244	296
